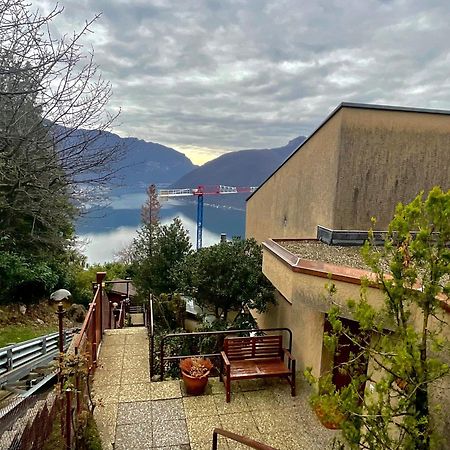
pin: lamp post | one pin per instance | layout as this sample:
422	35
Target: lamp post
59	296
116	313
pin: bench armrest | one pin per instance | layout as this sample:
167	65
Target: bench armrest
288	354
225	358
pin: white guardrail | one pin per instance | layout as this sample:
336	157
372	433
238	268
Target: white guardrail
17	359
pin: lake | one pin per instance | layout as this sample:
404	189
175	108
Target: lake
102	234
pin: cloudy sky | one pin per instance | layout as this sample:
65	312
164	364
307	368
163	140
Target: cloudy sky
210	76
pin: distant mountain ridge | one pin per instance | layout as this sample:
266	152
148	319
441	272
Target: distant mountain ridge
144	162
239	168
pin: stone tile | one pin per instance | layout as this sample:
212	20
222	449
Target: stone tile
204	445
241	423
106	378
201	428
134	412
168	409
251	385
177	447
167	433
233	445
136	339
135	392
166	389
112	352
130	362
286	441
217	387
238	404
273	421
105	414
111	364
207	444
203	405
113	340
106	394
135	375
139	350
258	400
107	436
134	437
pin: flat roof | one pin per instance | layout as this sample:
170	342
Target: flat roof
314	250
357	106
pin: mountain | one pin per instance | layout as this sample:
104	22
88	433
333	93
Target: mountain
143	163
239	168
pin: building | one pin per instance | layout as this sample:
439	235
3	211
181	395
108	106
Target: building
358	164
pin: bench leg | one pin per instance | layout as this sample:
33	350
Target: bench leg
293	387
228	389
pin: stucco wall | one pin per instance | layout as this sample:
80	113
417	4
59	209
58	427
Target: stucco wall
307	330
301	194
387	157
360	164
302	302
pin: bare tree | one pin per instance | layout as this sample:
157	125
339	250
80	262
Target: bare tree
52	120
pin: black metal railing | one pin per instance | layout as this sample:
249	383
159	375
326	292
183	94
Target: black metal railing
224	333
238	438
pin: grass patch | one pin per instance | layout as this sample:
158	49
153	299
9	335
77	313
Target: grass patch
12	334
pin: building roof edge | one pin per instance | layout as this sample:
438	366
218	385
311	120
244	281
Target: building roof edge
335	111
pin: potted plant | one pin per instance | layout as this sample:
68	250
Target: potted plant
326	404
328	412
195	373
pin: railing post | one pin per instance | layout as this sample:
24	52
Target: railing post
9	356
100	277
94	337
68	420
44	345
161	360
77	388
152	352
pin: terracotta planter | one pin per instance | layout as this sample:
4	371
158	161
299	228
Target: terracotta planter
332	423
194	385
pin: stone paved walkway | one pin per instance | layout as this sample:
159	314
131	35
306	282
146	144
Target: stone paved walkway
136	414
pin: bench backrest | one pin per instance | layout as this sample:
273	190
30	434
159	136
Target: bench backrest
253	347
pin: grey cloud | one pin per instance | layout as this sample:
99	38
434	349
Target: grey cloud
251	73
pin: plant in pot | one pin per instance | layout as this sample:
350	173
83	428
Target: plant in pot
326	404
195	372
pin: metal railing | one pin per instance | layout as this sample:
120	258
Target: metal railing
238	438
18	359
149	322
165	338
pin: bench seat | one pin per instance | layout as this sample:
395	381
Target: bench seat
245	358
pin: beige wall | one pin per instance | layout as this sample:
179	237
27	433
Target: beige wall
301	194
360	164
307	331
302	302
387	157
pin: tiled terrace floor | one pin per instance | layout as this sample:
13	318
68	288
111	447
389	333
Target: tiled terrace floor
137	414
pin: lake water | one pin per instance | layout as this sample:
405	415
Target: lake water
104	233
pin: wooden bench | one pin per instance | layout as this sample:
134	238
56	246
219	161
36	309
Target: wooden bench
255	357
